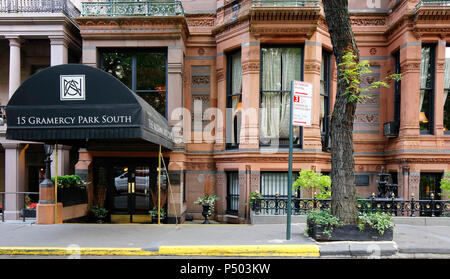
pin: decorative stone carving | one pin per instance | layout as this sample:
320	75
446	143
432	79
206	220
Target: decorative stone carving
369	118
368	21
200	80
250	67
220	74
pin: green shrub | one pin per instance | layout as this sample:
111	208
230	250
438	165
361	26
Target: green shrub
324	218
379	220
309	179
67	181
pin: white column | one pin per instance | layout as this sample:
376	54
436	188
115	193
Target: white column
14	64
63	160
14	179
58	50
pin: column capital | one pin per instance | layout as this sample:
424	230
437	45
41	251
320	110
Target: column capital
14	40
10	145
59	40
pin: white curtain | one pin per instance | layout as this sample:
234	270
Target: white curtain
280	67
236	88
291	71
271	81
446	73
424	69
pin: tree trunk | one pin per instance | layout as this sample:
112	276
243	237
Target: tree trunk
343	190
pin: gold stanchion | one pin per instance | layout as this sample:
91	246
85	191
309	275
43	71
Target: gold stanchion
159	186
56	183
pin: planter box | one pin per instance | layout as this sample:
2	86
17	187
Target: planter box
348	233
29	213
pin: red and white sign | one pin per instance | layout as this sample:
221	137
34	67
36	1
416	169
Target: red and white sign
302	103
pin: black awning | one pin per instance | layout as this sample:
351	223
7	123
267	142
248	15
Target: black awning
73	102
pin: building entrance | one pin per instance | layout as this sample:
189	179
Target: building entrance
132	191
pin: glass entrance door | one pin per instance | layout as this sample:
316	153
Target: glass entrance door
131	191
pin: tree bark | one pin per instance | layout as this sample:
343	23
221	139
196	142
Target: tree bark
343	190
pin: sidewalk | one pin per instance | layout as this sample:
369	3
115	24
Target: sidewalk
209	240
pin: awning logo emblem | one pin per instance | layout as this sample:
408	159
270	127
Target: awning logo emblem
72	87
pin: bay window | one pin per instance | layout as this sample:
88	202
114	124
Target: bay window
325	81
234	99
280	65
426	105
446	91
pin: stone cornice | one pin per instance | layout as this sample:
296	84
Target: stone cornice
136	26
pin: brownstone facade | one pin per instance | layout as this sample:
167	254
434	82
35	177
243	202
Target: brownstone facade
199	44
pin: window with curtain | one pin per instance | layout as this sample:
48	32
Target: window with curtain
325	78
280	66
426	104
143	71
234	98
446	91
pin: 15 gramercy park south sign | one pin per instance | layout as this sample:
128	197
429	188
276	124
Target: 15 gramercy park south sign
79	102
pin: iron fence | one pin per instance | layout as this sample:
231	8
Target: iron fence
284	3
132	8
277	205
39	6
24	209
433	3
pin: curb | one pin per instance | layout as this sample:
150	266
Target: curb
194	250
242	250
355	249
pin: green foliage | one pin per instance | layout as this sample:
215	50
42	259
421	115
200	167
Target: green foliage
99	211
351	72
154	212
309	179
207	200
324	218
253	196
445	185
67	181
379	220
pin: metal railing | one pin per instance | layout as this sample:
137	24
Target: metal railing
23	210
433	3
39	6
285	3
144	8
277	205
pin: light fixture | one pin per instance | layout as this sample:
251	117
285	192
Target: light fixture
422	118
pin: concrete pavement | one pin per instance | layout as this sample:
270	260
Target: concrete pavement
211	240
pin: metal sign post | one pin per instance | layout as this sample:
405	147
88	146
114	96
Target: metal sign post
300	115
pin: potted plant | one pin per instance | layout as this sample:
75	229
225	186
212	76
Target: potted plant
30	208
323	226
99	213
252	199
207	203
154	214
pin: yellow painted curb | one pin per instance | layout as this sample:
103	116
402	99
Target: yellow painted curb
59	251
193	250
242	250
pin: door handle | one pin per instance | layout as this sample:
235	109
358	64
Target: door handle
129	187
132	187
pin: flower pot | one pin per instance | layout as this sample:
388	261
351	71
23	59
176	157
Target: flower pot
205	213
101	219
348	233
29	213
